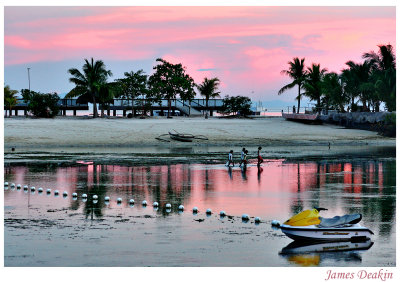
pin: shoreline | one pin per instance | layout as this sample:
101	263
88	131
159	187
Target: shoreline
134	139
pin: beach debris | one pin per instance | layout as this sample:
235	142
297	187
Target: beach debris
65	194
144	203
257	220
84	196
155	204
95	197
33	188
245	217
181	207
182	137
222	214
275	223
131	202
168	206
195	210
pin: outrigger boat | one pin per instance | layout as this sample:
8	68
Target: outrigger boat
309	226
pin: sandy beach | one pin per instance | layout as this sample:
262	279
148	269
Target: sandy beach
118	136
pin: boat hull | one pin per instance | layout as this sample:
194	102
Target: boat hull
354	232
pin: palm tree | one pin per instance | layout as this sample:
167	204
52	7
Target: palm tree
362	83
335	96
9	98
89	82
297	73
383	76
313	83
208	88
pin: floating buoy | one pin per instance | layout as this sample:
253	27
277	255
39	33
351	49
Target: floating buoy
222	213
131	202
65	194
275	223
95	197
33	188
40	190
168	206
144	203
107	199
257	220
181	207
245	217
5	183
155	204
195	210
74	195
56	193
208	211
84	196
48	191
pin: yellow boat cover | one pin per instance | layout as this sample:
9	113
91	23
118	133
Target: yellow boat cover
305	218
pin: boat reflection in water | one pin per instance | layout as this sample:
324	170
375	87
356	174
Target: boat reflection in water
313	254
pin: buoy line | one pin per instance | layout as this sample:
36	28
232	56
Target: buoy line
131	202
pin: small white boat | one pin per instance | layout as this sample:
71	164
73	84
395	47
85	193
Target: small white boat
309	226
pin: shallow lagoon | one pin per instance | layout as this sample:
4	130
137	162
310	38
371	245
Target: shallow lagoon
45	230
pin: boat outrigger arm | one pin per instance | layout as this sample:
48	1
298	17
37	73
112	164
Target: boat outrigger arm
308	225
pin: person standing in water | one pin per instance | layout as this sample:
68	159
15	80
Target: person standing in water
259	158
230	158
242	157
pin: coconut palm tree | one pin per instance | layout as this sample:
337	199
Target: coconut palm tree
334	94
208	88
297	72
383	76
313	83
362	80
9	98
88	83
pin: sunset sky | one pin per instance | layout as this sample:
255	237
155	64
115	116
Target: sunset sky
246	47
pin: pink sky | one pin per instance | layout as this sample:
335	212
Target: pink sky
246	47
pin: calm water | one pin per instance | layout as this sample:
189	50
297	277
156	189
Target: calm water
46	230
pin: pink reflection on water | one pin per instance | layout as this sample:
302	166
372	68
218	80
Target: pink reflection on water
271	190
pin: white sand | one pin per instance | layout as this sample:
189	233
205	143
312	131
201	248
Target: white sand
68	131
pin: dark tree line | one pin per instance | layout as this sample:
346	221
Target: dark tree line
359	87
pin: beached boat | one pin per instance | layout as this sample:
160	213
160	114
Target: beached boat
181	137
309	118
309	226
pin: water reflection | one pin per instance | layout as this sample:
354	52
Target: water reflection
312	254
279	189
